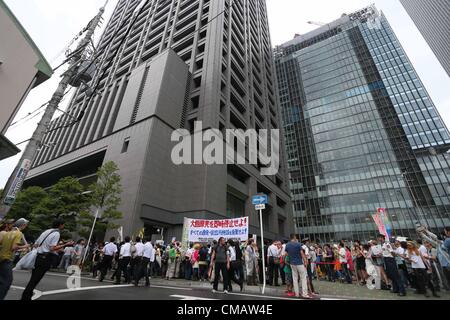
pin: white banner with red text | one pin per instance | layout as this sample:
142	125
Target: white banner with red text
206	231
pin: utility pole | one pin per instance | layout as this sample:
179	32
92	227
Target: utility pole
19	174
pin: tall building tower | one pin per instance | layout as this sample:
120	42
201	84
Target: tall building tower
362	133
177	62
432	18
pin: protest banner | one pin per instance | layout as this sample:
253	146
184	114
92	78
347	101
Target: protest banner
206	231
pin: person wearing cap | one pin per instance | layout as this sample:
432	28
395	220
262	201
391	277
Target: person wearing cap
10	241
390	265
21	225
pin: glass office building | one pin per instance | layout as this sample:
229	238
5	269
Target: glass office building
361	131
432	18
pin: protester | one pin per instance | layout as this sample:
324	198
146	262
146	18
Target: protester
344	264
434	266
11	240
298	261
414	256
282	246
377	258
236	270
97	257
446	248
288	273
203	263
78	253
66	259
195	262
221	262
329	257
306	250
360	263
47	246
188	270
313	261
251	263
391	266
171	262
273	257
401	264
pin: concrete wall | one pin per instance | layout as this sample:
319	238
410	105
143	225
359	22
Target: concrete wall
16	71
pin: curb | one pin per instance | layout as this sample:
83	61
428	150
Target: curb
247	289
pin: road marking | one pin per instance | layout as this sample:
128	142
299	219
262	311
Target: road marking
277	298
17	288
190	298
256	296
53	292
36	293
172	288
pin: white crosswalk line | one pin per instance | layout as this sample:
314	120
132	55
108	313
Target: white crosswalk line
190	298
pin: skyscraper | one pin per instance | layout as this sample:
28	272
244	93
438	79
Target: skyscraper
177	62
362	133
432	18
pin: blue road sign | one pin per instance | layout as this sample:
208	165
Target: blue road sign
260	199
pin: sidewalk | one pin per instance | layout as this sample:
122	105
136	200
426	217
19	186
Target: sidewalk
329	290
326	290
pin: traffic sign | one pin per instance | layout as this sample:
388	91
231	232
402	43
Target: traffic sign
260	207
260	199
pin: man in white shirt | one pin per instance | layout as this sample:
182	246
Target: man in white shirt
124	261
343	261
148	254
307	250
188	271
422	249
47	246
137	250
109	252
391	266
273	256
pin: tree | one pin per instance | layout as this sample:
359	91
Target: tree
66	201
105	197
27	200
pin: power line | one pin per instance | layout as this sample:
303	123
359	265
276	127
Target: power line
75	38
36	110
105	69
29	114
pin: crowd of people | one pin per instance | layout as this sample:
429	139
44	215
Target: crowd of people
382	264
379	264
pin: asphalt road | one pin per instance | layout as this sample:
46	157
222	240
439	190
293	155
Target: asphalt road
54	287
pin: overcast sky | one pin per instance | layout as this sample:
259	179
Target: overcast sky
53	23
